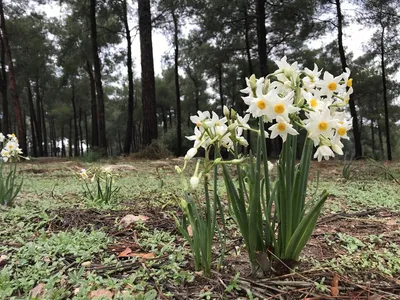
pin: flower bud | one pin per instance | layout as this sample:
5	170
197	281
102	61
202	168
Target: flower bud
194	182
191	153
178	170
233	114
226	111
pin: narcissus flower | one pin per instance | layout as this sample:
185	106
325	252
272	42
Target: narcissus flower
323	152
282	128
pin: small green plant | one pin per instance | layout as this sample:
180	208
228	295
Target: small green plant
98	186
346	170
92	155
9	188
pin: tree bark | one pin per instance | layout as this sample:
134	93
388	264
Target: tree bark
39	116
86	132
13	84
45	146
221	94
150	130
63	152
177	88
353	111
247	38
32	119
385	97
97	77
261	37
70	139
131	87
76	132
3	88
93	106
373	139
80	128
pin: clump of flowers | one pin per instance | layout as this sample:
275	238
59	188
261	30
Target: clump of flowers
273	217
98	185
10	153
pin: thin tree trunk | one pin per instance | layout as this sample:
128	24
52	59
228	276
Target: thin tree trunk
247	38
45	148
37	120
3	88
63	151
261	37
80	129
177	89
164	118
150	130
93	106
131	87
13	84
76	132
70	139
380	140
86	132
32	119
385	97
97	78
221	94
373	139
353	112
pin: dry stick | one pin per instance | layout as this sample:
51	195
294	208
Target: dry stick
343	215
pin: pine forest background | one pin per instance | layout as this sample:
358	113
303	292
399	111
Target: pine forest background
68	84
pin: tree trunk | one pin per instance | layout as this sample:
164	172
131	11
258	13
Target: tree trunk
70	139
45	146
177	89
373	139
353	112
32	119
39	116
164	118
150	129
97	78
76	132
261	37
13	84
247	39
86	132
131	88
385	97
63	152
3	89
380	140
53	137
80	129
221	94
93	106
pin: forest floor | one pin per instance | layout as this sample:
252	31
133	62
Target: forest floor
54	244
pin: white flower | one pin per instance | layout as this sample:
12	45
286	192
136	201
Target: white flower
252	81
314	74
258	105
194	181
84	174
242	122
12	137
346	77
2	137
191	153
280	106
199	138
270	166
285	68
202	116
320	122
242	141
282	128
314	101
330	84
323	152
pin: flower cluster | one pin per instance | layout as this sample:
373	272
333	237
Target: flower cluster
220	132
279	99
11	150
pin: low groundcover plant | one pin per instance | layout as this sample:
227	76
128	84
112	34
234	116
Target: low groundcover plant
273	217
11	153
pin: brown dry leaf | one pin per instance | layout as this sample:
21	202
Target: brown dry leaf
125	253
101	293
129	219
392	222
335	286
37	291
3	260
190	230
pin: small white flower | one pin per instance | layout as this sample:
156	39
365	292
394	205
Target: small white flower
280	106
191	153
323	152
282	128
320	122
84	174
194	181
330	84
2	137
270	166
201	116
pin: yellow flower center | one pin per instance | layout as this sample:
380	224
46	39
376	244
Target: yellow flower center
332	86
349	82
341	131
341	122
347	100
10	146
323	126
279	108
261	104
313	102
198	124
281	127
217	123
